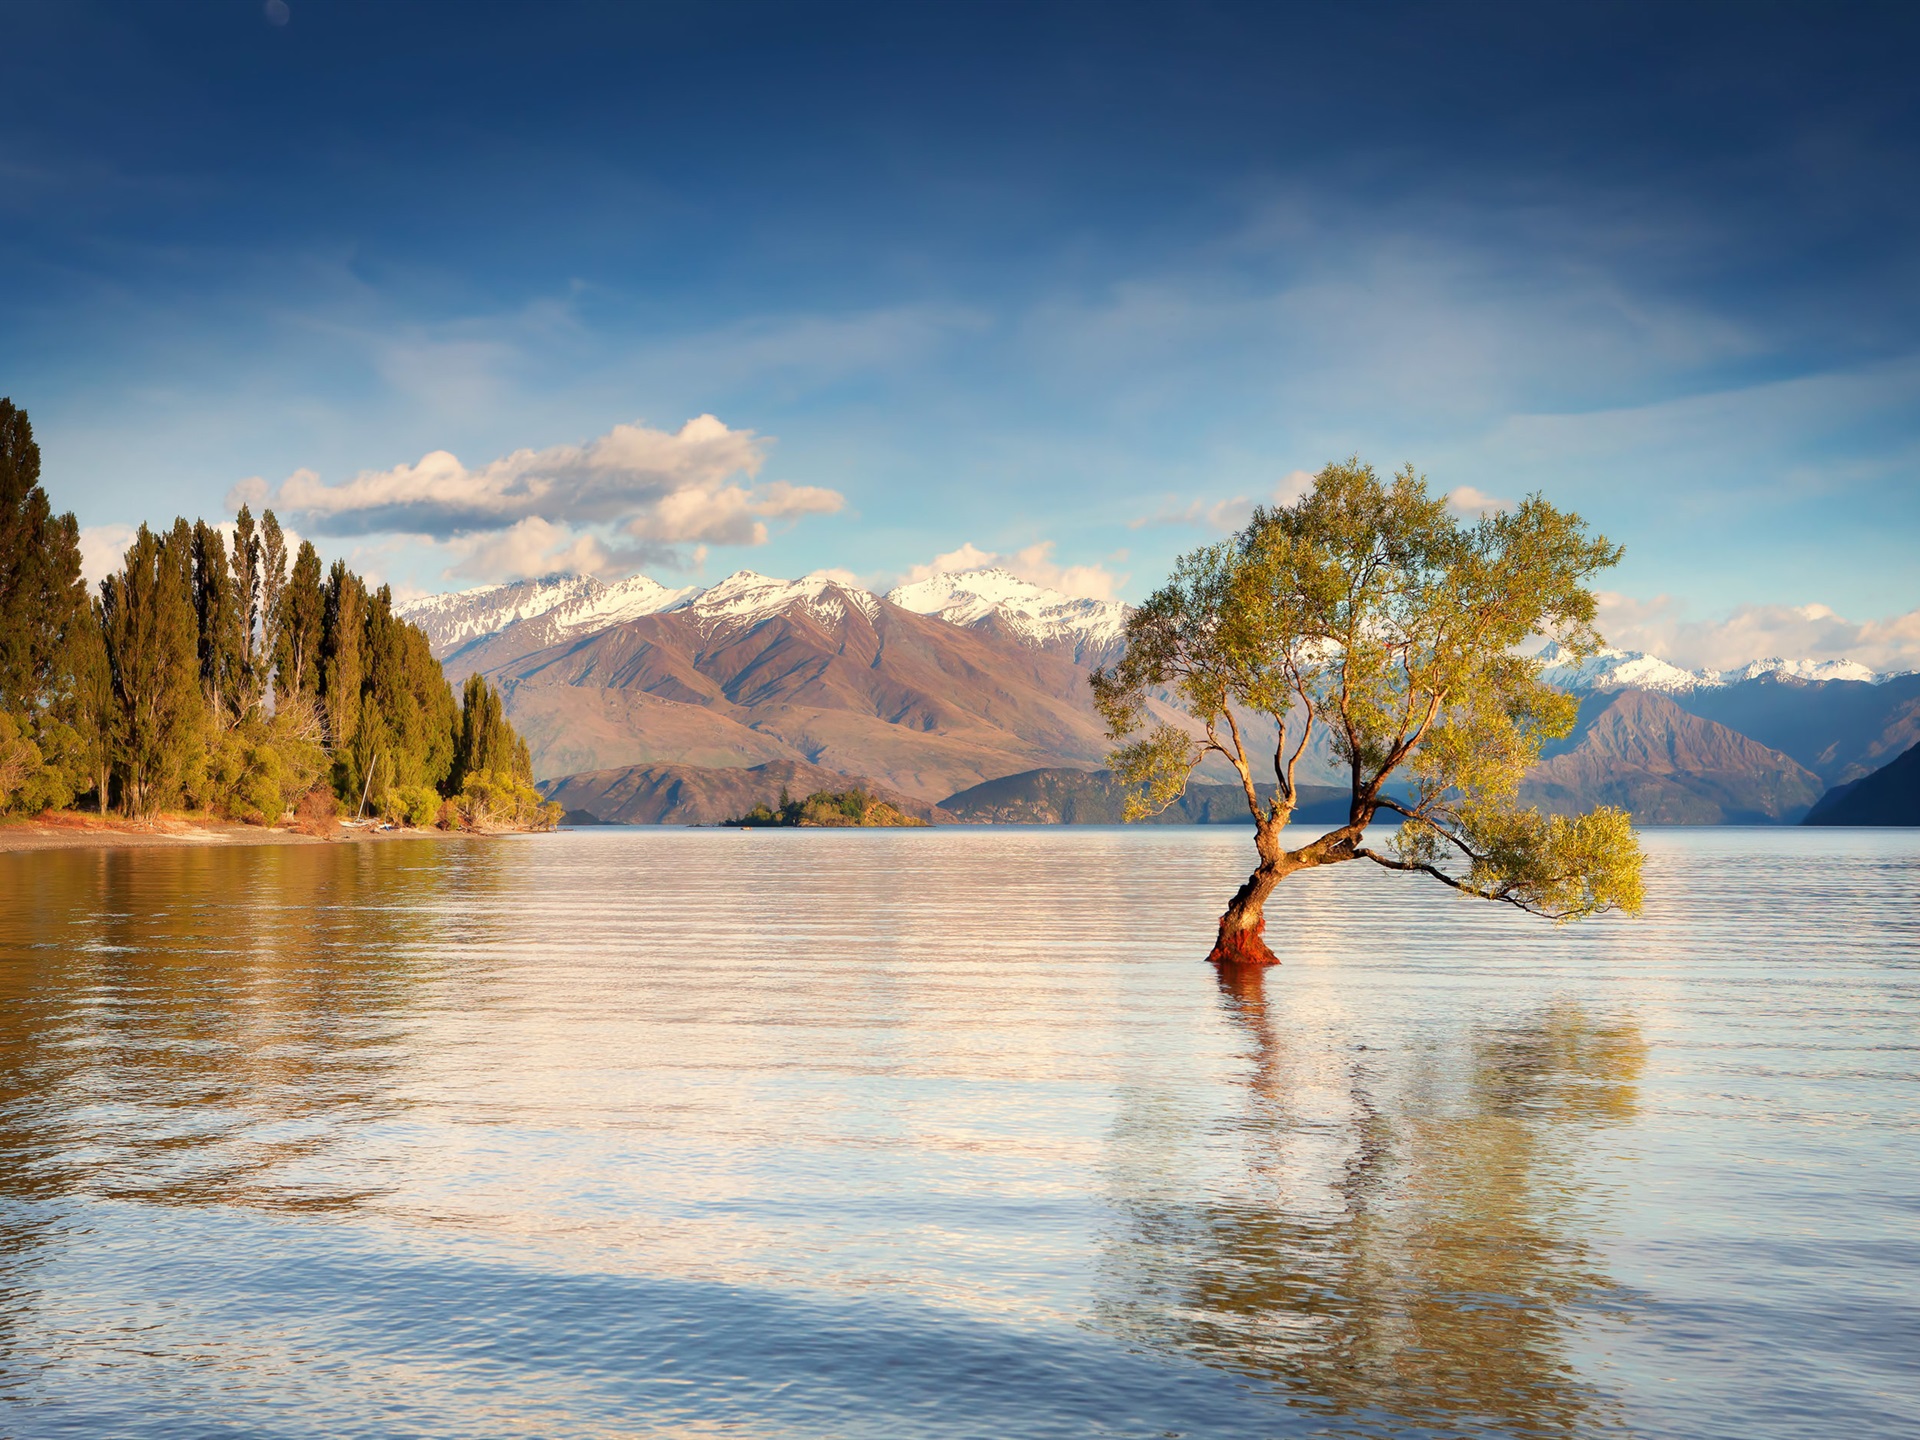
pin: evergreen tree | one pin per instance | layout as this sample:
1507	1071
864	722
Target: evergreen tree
217	608
156	694
92	714
251	675
342	673
42	596
273	584
299	618
152	648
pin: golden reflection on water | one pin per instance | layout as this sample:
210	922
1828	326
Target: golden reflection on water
1440	1273
206	1053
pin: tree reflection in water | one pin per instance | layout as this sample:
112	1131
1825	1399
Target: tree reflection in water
1416	1261
208	1027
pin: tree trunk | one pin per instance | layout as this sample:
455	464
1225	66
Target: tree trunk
1239	941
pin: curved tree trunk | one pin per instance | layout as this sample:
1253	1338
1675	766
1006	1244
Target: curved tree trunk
1239	941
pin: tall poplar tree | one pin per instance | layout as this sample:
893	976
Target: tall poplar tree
152	647
343	672
217	608
251	675
42	596
92	712
300	617
273	584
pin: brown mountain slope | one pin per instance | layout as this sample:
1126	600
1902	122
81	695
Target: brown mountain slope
692	795
852	684
1642	752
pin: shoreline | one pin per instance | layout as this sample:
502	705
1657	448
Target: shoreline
69	830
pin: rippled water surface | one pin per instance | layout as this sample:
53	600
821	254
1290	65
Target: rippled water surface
948	1133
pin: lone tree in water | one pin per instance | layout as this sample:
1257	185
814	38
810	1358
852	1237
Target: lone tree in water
1369	614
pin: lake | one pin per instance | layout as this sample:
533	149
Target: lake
949	1133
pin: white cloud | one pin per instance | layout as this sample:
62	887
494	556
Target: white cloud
1089	582
103	548
633	496
1759	632
839	576
1294	487
1466	500
690	485
530	548
968	557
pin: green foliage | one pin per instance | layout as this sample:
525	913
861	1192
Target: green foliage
28	784
217	677
1370	614
827	808
152	645
494	801
298	618
44	625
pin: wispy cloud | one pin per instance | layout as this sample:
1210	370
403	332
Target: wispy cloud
1759	632
1220	516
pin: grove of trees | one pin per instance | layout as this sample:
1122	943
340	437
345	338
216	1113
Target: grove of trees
232	678
1368	614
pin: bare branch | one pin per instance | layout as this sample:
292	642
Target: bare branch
1239	759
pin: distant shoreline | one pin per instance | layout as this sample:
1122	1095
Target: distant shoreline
71	831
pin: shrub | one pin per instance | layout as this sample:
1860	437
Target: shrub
318	813
27	783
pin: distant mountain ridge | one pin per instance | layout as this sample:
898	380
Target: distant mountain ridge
1612	669
964	679
1887	796
755	670
532	614
1641	751
538	613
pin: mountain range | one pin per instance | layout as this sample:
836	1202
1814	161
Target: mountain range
1887	796
968	690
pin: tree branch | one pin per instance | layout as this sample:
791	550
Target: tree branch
1239	760
1504	895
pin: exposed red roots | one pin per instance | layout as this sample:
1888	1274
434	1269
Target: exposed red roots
1242	946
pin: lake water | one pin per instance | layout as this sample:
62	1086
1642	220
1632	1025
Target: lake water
950	1133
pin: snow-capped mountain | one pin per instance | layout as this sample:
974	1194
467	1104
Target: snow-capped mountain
1804	670
1088	632
1618	670
453	619
1612	669
745	598
564	606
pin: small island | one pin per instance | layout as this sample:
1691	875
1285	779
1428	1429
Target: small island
827	808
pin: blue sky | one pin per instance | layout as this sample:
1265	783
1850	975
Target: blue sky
1062	284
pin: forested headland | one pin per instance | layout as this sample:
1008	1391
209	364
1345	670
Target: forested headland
235	679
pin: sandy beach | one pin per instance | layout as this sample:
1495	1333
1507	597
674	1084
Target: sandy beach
69	831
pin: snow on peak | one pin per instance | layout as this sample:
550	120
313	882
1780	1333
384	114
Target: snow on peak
1037	616
1611	669
617	603
746	598
566	606
1804	670
451	620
